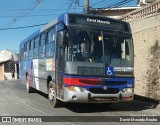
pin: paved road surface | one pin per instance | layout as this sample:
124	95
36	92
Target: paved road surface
14	101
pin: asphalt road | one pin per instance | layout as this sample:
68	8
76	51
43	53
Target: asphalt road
15	101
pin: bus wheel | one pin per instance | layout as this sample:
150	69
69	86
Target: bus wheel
28	88
52	95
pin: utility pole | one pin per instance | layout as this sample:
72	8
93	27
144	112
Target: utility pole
86	7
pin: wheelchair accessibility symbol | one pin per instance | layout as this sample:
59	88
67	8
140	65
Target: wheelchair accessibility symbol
109	71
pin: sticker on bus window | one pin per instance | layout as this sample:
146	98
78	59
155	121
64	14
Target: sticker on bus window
49	65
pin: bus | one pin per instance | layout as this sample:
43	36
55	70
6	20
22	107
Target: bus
80	58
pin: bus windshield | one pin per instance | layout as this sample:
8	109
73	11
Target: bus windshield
92	45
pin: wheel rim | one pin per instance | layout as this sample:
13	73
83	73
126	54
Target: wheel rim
51	94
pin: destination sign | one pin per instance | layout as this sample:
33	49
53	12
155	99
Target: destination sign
98	21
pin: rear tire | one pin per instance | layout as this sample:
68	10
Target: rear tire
52	95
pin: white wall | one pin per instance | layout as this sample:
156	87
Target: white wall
8	75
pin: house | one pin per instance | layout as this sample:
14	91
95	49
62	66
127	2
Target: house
8	65
113	12
144	2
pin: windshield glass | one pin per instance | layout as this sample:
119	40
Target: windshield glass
78	45
90	45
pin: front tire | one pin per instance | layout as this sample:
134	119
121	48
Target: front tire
52	95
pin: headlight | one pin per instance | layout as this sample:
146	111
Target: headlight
128	90
76	89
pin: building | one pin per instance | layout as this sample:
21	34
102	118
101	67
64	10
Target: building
144	12
113	12
121	11
8	65
144	2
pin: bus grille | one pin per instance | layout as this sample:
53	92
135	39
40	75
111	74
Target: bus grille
90	71
102	91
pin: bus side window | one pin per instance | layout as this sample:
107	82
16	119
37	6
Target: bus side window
35	50
127	48
22	54
42	46
50	44
31	49
27	50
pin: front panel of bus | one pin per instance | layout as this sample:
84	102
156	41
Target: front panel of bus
98	61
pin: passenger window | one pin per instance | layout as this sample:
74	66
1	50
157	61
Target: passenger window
50	45
35	50
32	44
42	39
28	46
31	49
27	50
22	54
42	46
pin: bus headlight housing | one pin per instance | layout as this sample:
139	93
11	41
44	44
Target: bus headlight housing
76	89
128	90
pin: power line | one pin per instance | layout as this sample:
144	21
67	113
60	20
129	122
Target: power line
105	2
70	5
39	13
23	27
111	4
33	15
16	13
24	14
120	3
75	6
98	2
35	9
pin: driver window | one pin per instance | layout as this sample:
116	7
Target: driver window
81	46
97	48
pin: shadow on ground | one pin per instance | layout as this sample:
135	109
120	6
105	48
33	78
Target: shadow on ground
130	106
137	105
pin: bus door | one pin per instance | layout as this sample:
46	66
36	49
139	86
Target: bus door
59	64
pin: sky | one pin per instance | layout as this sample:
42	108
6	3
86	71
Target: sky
22	13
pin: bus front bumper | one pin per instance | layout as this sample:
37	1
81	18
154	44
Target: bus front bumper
88	97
